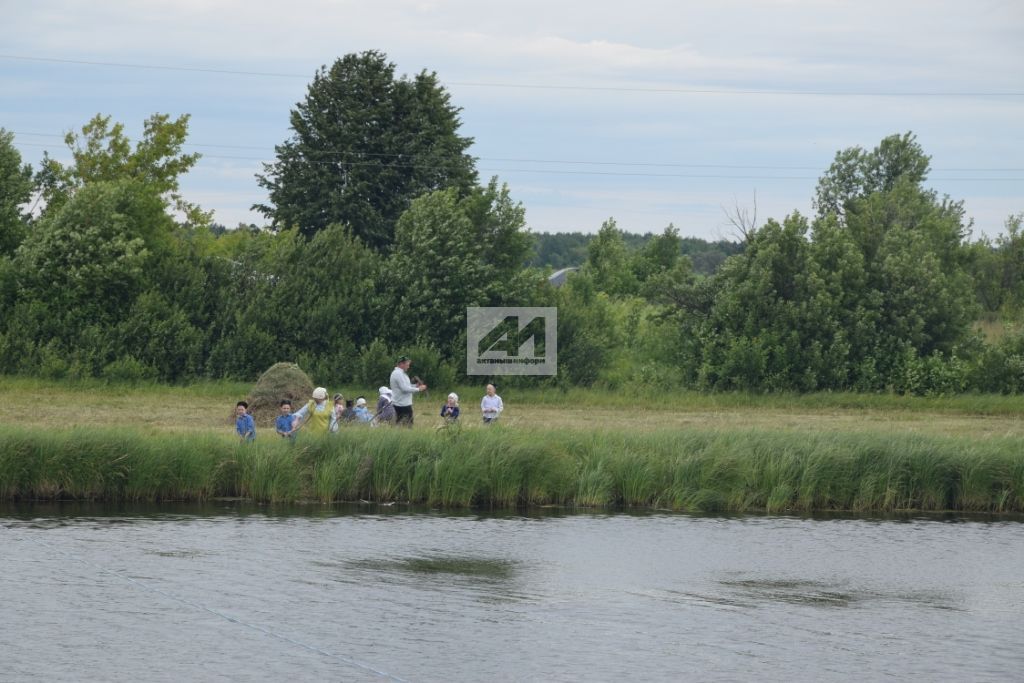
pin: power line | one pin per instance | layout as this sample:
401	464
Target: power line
154	67
551	171
515	160
542	86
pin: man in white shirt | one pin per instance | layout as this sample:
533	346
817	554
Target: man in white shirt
402	390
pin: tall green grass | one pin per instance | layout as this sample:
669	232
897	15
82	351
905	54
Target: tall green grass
699	470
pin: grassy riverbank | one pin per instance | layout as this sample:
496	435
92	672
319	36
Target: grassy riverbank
695	469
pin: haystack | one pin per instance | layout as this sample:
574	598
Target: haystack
281	380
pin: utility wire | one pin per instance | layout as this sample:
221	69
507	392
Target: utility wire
541	86
436	167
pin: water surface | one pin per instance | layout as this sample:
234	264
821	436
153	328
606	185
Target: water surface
228	591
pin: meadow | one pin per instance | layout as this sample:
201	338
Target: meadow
723	452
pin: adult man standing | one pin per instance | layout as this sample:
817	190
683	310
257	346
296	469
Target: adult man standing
402	390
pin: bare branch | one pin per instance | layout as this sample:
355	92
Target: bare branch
742	219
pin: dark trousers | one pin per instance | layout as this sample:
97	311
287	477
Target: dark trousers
403	416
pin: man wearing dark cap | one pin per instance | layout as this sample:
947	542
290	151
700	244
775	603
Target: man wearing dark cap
402	390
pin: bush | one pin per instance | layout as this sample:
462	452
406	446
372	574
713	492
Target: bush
128	370
934	375
240	353
338	365
1000	368
375	364
160	335
52	363
429	366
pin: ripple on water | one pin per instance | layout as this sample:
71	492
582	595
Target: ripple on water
822	594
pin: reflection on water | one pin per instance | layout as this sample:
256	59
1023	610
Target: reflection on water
474	567
229	591
819	594
794	592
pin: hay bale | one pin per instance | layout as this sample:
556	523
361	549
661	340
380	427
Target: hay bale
281	380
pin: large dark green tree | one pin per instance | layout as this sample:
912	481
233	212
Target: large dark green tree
365	144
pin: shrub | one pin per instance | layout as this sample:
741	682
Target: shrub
129	370
428	365
375	364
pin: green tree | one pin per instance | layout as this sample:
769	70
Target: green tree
109	282
301	300
997	269
365	144
659	255
499	227
588	336
160	336
451	253
882	301
87	259
856	173
560	249
104	153
609	261
916	259
769	326
15	190
78	277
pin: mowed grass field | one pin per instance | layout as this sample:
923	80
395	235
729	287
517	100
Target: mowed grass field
209	407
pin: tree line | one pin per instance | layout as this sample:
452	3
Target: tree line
380	234
569	249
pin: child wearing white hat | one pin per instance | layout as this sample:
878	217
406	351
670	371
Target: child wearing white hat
363	413
385	410
450	409
316	414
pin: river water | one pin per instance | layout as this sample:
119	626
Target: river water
229	591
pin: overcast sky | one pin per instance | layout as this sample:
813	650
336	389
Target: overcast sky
649	112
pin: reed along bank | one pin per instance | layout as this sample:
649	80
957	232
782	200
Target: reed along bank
691	470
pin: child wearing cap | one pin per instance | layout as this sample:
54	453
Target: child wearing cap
450	409
362	413
385	411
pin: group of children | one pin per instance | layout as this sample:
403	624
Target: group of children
318	417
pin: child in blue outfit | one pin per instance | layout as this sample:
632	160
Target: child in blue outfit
362	413
244	424
285	423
